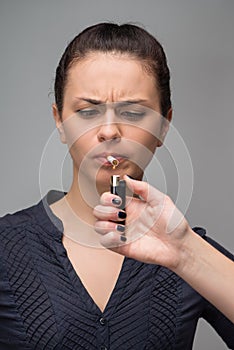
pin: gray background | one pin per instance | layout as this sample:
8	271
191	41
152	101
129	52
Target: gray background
198	39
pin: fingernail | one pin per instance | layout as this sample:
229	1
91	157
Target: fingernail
116	201
120	228
123	238
122	215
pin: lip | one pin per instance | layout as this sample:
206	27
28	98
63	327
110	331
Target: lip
102	158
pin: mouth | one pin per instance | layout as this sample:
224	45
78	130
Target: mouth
102	158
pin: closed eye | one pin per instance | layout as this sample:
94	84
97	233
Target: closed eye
132	115
88	113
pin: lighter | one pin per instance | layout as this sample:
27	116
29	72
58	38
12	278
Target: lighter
118	187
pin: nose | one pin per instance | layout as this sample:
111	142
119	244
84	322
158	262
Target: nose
109	132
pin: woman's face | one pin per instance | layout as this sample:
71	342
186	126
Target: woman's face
107	110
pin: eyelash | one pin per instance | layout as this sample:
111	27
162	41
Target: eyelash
87	113
92	113
133	115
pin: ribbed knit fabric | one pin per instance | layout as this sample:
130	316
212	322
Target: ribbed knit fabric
43	304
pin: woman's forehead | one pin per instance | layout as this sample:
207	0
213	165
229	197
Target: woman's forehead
103	76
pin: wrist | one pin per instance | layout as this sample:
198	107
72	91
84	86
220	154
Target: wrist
187	253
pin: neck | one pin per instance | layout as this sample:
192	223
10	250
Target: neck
75	210
83	196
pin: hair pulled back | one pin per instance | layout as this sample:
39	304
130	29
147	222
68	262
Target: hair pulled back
124	39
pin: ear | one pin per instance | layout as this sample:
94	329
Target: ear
165	127
59	123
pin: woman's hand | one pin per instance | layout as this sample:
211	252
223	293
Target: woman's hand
155	228
157	233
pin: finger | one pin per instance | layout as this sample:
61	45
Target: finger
110	199
113	240
104	227
147	192
106	213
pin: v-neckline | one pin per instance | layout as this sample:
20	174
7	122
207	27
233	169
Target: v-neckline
87	299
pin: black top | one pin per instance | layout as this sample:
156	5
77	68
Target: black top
43	304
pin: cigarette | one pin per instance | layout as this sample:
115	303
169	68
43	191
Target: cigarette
113	161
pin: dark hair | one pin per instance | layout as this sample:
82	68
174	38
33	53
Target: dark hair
111	37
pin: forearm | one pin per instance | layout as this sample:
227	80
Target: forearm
208	271
166	239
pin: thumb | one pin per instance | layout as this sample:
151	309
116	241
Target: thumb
147	192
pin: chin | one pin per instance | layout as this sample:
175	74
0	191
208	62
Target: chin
103	187
103	180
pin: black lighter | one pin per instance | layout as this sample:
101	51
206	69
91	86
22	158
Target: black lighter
118	187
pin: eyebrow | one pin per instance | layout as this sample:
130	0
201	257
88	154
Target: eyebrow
97	102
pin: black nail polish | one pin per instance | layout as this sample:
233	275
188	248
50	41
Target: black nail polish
123	238
116	201
122	215
120	228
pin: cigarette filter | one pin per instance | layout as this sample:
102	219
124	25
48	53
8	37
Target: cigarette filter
113	161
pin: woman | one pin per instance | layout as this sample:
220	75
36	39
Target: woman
59	288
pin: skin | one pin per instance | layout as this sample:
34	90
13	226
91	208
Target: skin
107	78
164	236
170	242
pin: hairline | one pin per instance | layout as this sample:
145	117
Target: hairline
144	62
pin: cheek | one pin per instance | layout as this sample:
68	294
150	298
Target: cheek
143	138
145	145
152	144
80	147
